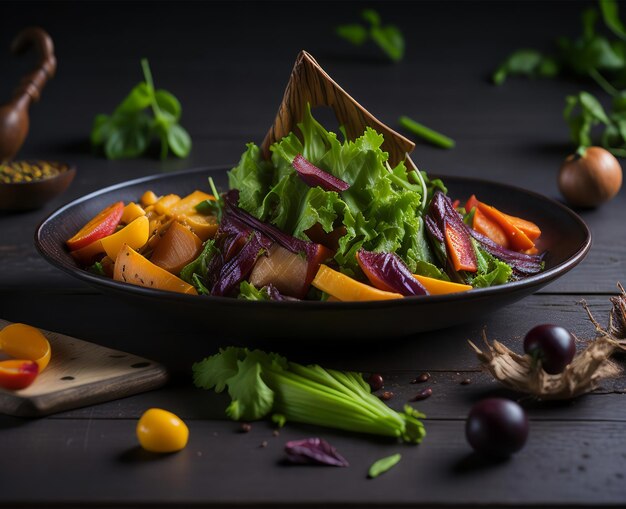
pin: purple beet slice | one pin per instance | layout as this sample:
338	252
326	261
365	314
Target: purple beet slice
314	450
315	253
314	176
235	270
386	271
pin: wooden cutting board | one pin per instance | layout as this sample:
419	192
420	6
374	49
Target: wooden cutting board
80	374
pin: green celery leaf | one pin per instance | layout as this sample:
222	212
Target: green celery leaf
383	465
214	371
610	14
130	135
252	399
355	34
179	140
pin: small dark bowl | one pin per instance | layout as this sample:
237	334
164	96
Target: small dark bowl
34	194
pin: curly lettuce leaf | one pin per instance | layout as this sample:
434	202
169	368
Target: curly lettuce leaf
380	210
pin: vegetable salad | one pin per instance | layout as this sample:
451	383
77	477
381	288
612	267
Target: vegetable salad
323	219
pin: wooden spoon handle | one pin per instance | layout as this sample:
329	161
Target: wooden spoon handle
37	38
309	83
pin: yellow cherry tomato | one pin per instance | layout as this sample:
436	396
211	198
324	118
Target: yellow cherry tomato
22	341
162	431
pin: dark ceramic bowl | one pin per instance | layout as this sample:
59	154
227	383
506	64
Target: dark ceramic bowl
34	194
564	236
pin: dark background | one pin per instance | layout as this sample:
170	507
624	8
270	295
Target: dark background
228	63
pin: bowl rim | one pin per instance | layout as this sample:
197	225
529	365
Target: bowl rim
541	278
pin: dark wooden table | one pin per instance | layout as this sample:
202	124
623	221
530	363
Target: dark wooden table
228	64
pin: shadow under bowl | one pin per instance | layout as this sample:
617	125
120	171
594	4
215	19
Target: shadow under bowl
36	193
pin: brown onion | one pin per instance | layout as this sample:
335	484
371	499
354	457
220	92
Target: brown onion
590	179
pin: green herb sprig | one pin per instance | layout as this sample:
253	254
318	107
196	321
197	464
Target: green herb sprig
388	38
430	135
383	465
595	56
127	132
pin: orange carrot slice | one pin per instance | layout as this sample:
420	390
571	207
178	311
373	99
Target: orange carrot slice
531	230
482	224
517	238
460	251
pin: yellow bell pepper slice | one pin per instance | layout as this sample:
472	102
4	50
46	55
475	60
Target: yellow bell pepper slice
135	235
135	269
439	287
187	205
22	341
345	288
165	203
131	212
203	226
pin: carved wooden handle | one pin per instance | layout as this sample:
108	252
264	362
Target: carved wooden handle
309	83
38	39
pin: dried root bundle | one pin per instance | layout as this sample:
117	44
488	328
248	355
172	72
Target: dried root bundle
521	373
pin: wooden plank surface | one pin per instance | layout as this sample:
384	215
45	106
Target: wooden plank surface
228	64
81	373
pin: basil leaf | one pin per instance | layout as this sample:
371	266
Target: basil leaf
130	137
383	465
371	16
610	14
390	40
138	100
101	130
356	34
168	104
179	141
526	62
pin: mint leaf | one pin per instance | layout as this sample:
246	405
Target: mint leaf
610	14
129	135
128	132
355	34
390	39
179	140
525	62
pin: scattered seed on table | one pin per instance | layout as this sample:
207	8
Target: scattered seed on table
386	396
276	433
263	444
245	427
424	377
375	382
426	393
466	381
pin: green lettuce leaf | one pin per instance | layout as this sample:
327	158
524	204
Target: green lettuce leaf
380	211
248	291
196	272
